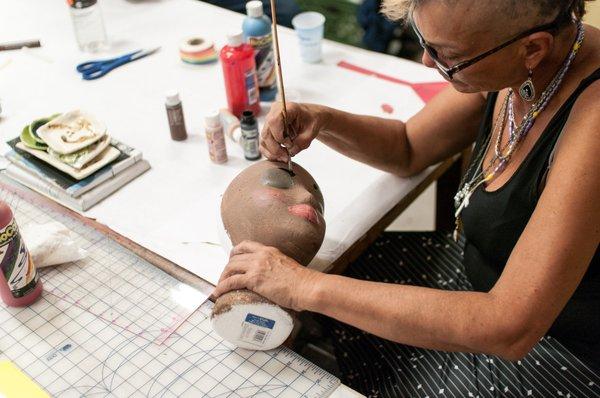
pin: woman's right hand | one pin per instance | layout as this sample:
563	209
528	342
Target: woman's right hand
304	123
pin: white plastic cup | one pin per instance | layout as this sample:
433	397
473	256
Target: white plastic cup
309	27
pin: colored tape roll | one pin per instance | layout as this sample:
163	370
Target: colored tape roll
197	51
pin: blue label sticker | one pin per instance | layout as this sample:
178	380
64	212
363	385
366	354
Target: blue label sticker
260	321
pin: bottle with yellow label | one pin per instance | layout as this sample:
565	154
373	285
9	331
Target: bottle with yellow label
20	284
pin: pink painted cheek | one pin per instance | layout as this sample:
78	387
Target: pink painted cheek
268	197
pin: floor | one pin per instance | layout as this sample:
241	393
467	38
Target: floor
420	216
311	342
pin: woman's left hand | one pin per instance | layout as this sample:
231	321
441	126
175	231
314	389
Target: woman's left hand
268	272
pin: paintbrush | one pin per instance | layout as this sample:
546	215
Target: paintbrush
286	133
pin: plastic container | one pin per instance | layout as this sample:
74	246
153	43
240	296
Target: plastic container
256	29
250	136
175	116
88	25
239	73
310	27
19	280
231	126
215	138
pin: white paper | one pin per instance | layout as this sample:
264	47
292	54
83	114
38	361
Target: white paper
173	209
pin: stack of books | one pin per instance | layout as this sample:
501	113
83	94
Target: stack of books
71	159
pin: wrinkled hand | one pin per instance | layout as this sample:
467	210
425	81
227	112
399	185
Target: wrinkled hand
268	272
303	126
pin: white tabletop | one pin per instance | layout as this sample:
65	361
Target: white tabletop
173	209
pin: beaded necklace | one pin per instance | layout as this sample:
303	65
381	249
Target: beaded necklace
503	154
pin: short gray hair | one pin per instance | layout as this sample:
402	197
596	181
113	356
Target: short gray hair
402	9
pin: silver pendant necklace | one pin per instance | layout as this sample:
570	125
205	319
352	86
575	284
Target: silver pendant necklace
502	156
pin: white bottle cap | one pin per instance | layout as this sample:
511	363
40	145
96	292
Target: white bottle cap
213	119
254	8
172	98
235	39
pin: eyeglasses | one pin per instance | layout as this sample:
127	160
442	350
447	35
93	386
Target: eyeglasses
451	71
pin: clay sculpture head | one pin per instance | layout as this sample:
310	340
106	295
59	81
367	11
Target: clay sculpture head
266	203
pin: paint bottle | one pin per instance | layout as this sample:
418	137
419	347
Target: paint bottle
20	284
231	126
250	136
257	32
175	116
239	72
88	25
215	138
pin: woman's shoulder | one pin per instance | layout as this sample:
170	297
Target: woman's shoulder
581	126
584	118
588	75
591	53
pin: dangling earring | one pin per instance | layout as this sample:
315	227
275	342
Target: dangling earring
527	90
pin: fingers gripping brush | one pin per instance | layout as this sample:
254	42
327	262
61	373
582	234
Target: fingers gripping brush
286	130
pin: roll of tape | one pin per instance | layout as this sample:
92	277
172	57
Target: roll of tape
196	50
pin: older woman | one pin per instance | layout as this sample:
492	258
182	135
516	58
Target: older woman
518	314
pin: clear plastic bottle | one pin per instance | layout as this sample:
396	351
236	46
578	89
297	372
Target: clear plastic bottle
88	25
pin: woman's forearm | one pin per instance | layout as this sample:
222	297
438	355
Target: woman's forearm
418	316
379	142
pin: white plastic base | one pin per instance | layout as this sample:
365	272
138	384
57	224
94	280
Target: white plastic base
258	326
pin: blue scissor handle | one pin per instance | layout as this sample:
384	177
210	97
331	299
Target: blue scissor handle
94	69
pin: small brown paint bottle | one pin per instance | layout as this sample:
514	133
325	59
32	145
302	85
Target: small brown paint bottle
175	116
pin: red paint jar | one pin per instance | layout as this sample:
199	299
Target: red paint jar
239	72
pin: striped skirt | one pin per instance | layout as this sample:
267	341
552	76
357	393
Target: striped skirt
380	368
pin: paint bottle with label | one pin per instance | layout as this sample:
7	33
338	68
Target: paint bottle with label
175	116
20	284
257	32
215	138
239	72
250	136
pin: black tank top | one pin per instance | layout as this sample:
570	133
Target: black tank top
494	221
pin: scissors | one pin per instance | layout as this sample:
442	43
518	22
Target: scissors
94	69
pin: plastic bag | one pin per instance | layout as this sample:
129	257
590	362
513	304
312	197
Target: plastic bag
51	244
